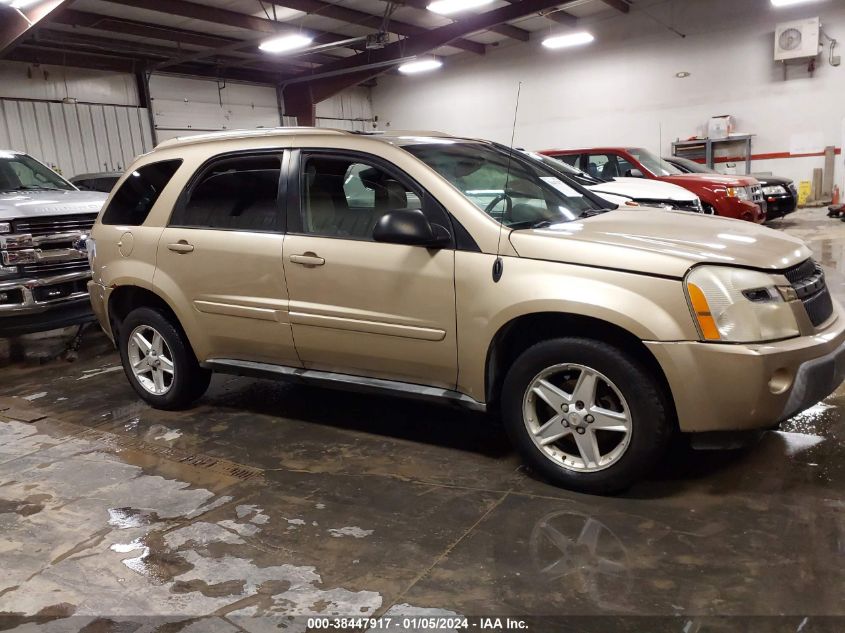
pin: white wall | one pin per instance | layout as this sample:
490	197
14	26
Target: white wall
191	106
54	83
622	89
349	110
103	131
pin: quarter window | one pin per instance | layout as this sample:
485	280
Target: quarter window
344	197
238	194
132	202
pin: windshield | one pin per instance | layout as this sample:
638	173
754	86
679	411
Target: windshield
654	163
510	187
19	172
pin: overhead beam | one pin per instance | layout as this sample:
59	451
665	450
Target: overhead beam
16	23
216	15
559	16
619	5
360	18
507	30
143	52
121	26
45	54
418	45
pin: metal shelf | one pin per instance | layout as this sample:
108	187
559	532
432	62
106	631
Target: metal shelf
705	148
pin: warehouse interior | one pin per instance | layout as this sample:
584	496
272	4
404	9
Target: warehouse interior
289	505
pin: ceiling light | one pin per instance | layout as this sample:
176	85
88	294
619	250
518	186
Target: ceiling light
683	74
18	4
447	7
570	39
789	3
420	66
285	43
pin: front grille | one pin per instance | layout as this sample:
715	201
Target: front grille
808	281
53	225
757	194
54	268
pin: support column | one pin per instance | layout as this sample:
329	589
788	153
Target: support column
299	102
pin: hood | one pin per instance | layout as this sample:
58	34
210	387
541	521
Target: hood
693	181
29	204
774	180
661	243
643	189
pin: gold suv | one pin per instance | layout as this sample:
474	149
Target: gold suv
457	270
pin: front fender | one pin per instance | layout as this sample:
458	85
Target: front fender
649	308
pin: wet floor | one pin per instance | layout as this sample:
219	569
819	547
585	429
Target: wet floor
267	503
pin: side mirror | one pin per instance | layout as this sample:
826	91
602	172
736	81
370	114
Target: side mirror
412	228
635	173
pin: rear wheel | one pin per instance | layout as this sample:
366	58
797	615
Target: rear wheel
585	414
159	362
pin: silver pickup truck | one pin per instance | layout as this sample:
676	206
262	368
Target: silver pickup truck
43	271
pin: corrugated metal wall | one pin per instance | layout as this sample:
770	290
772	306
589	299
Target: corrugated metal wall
75	138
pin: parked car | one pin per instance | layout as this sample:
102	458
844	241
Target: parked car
781	193
595	333
739	197
648	193
43	275
103	182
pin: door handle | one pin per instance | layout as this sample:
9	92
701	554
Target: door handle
181	247
309	260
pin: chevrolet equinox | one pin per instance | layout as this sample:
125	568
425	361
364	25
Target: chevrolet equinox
457	270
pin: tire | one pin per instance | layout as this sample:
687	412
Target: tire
627	396
182	379
709	209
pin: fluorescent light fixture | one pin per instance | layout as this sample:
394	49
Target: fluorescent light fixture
570	39
420	66
18	4
448	7
285	43
789	3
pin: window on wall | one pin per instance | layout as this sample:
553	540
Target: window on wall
346	197
237	194
132	202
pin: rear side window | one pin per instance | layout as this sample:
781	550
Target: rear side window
239	194
132	202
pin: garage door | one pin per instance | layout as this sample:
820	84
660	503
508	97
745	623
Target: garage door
75	138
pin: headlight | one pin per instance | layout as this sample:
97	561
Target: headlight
5	227
734	305
698	206
774	190
738	192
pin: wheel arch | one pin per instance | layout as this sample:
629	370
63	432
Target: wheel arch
125	299
526	330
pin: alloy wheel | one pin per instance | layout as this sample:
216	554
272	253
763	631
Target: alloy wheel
577	417
151	360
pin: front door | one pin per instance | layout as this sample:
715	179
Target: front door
220	260
358	306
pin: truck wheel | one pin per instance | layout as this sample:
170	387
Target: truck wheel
159	362
585	415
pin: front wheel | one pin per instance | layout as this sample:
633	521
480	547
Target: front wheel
585	414
159	362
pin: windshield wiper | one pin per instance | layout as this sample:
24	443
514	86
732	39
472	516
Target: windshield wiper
36	188
594	212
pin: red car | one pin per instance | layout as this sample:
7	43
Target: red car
739	197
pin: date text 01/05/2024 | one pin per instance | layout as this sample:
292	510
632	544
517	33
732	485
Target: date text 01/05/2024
417	623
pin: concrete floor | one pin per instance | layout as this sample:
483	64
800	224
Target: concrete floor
281	501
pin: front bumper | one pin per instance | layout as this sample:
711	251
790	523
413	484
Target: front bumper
745	387
780	205
741	209
44	303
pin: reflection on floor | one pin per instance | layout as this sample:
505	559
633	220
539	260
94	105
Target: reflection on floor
284	501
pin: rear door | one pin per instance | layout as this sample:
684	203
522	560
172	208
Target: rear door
220	259
357	306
